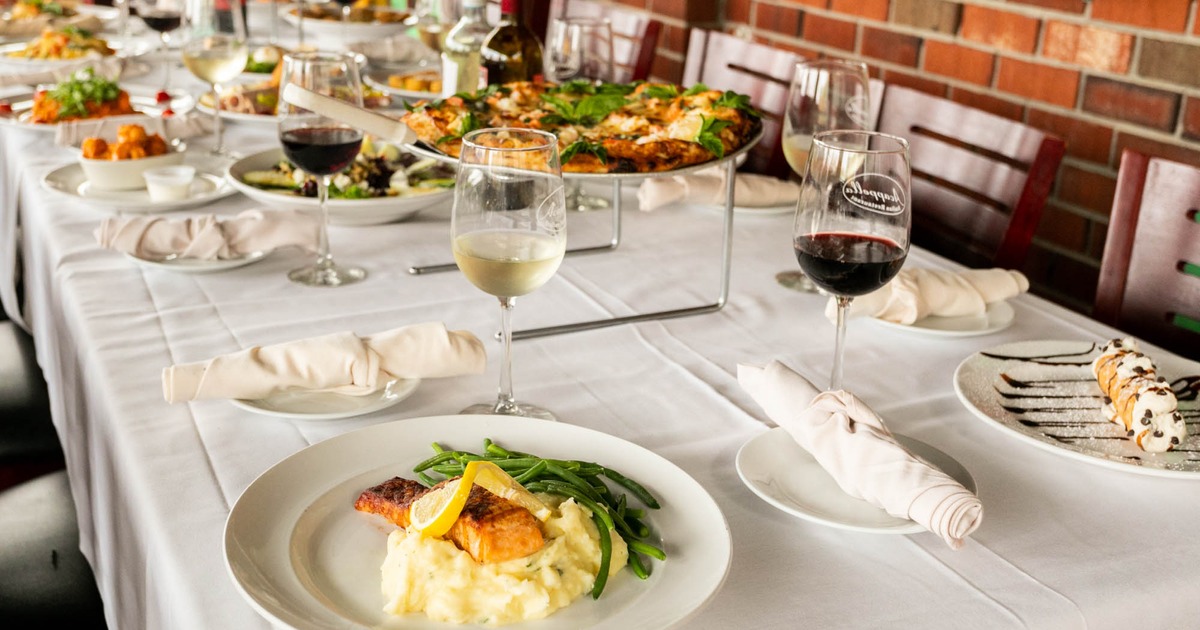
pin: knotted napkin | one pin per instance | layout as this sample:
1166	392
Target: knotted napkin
708	187
852	444
918	293
72	133
208	238
341	362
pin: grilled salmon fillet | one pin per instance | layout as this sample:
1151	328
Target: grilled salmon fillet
490	528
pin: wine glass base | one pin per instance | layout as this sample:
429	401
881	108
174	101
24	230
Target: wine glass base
521	409
327	275
796	281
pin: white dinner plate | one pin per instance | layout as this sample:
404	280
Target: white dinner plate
756	210
1044	393
305	558
997	317
335	34
373	211
785	475
378	79
307	405
208	186
193	265
141	98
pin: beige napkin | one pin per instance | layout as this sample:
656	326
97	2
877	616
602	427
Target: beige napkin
918	293
207	237
708	187
852	444
188	125
342	362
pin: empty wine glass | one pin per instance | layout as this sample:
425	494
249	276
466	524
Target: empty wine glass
823	95
853	220
321	146
508	230
580	49
215	50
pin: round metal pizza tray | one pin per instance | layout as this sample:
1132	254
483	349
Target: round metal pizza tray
426	151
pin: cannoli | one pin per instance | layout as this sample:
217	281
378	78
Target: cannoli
1136	397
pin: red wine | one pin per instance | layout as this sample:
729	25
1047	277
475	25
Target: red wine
163	21
321	150
848	264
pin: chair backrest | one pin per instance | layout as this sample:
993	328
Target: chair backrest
756	70
1150	274
979	181
635	35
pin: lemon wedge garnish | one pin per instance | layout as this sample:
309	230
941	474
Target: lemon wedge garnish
435	512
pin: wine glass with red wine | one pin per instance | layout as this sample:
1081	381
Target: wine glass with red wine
321	146
163	17
853	219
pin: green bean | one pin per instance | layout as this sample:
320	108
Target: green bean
647	549
636	488
634	513
436	459
428	481
572	479
638	526
605	556
495	449
639	569
449	470
531	472
438	448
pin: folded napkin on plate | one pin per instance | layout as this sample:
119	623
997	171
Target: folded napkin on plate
341	362
191	124
852	444
918	293
209	238
708	187
104	66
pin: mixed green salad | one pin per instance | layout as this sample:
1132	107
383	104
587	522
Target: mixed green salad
380	170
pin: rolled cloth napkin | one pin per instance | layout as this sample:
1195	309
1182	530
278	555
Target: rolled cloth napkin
209	238
918	293
708	186
852	444
188	125
342	362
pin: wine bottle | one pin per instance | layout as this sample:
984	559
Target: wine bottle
460	51
511	51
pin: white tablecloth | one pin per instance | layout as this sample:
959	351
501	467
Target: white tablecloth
1063	545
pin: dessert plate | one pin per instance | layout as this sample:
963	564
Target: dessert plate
785	475
1044	393
193	265
307	405
999	315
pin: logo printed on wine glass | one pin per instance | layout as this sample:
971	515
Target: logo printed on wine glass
875	192
856	110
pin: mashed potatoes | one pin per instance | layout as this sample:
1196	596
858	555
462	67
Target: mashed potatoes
435	576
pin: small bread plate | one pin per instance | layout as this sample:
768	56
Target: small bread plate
349	212
786	476
309	405
208	186
997	317
378	78
304	558
142	99
1044	393
195	265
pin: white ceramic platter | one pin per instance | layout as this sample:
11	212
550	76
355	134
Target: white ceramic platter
192	265
306	405
997	317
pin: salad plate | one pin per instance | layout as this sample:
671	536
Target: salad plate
304	558
778	470
997	317
1044	393
368	211
308	405
194	265
70	182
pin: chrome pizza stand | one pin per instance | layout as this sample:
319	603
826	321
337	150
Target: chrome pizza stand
729	163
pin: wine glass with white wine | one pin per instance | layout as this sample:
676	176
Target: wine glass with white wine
215	50
508	230
824	95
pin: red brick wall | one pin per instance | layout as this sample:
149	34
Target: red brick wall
1102	74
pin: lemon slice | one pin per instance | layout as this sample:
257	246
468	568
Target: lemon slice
493	479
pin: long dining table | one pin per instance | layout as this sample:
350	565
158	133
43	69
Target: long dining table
1063	543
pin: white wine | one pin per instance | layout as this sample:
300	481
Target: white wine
511	51
216	61
508	263
796	148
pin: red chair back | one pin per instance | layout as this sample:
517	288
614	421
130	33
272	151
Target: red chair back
1150	274
635	35
979	181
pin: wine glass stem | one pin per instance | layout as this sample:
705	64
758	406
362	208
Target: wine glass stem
219	147
505	403
324	258
166	52
835	380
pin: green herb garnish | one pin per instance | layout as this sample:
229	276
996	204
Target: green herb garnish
709	137
696	89
588	110
85	87
583	146
469	124
737	101
664	92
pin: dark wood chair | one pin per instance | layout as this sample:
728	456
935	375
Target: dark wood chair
979	181
635	35
1150	275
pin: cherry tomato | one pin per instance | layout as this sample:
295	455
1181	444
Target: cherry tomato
162	97
5	108
168	112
